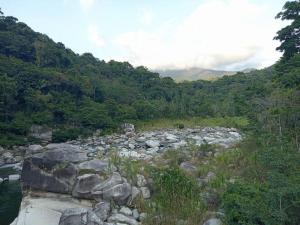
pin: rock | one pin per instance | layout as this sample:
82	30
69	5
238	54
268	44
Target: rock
1	180
33	149
141	181
135	192
40	132
79	216
64	152
135	214
102	210
119	193
125	211
84	185
152	143
213	221
50	171
114	180
120	218
145	192
188	167
8	157
143	216
97	165
14	177
128	128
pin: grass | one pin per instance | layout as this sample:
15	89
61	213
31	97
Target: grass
238	122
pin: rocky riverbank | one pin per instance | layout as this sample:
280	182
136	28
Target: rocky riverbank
79	182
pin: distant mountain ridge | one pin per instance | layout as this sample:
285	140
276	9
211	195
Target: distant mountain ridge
196	73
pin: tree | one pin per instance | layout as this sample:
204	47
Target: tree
289	36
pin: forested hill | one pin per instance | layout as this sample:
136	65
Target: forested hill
45	83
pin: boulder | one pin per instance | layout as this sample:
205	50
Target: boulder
114	180
41	132
145	192
141	181
51	170
125	211
118	193
84	185
102	210
188	167
152	143
33	149
120	218
97	165
79	216
13	177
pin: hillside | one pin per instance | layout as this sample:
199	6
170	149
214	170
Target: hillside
192	74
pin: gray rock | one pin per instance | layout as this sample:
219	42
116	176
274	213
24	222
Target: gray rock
14	177
115	179
135	214
118	193
213	221
84	185
145	192
32	149
97	165
64	152
188	167
120	218
102	210
79	216
127	127
126	211
141	181
1	180
41	132
49	172
143	216
152	143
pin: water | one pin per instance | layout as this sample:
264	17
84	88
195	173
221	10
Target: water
10	198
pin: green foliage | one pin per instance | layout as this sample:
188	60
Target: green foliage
63	135
177	198
289	36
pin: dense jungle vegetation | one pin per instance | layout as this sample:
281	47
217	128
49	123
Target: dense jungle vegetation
45	83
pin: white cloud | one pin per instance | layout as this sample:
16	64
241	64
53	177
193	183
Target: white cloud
86	5
217	34
95	37
146	16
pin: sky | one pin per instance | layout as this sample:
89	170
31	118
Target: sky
160	34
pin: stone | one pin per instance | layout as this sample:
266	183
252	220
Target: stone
114	180
8	157
145	192
118	193
213	221
1	180
32	149
41	132
14	177
128	127
125	211
120	218
152	143
188	167
84	185
141	181
135	214
48	172
79	216
64	152
97	165
143	216
102	210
